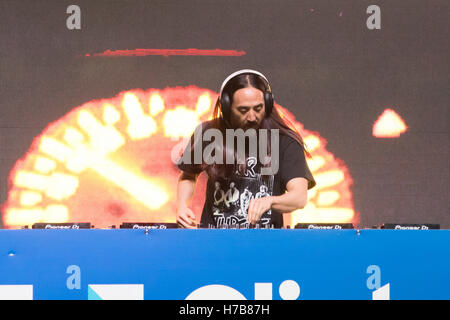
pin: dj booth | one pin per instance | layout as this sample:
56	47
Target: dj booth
178	264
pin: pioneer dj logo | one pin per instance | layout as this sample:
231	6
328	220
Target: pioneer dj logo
49	226
399	227
334	227
136	226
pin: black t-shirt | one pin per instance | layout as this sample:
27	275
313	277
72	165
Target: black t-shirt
228	198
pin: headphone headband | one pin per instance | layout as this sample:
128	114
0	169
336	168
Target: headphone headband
240	72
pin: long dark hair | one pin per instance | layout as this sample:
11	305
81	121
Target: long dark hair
273	121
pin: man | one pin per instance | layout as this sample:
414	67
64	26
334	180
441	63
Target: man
232	195
219	196
246	102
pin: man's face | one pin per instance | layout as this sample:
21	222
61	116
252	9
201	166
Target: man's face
247	109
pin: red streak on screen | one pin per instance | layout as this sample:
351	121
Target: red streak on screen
166	53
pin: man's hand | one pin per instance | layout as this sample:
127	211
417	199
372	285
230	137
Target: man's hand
257	207
185	191
186	218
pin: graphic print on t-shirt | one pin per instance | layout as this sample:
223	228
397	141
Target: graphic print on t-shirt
232	195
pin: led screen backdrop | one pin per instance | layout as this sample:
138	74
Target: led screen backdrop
98	96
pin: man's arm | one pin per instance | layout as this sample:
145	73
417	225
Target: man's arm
295	198
185	192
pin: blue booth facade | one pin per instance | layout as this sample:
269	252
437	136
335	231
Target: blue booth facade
178	264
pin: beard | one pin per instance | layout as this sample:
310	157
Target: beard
251	126
237	124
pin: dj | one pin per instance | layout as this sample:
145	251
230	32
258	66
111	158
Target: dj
250	195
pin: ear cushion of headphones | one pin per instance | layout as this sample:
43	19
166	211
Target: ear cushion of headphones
225	105
268	101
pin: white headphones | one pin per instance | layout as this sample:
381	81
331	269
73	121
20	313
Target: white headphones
240	72
225	100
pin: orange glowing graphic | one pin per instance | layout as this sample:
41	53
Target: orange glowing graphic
389	125
331	200
109	161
